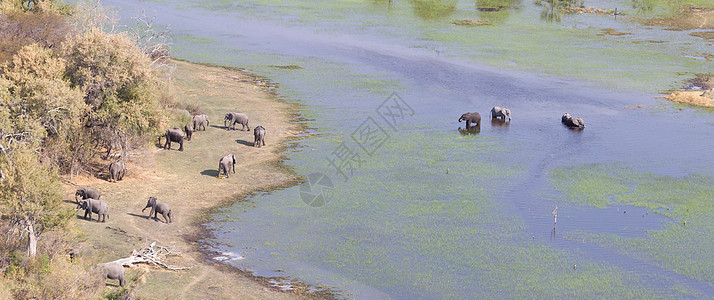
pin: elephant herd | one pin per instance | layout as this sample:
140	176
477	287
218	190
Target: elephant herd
474	118
91	204
88	199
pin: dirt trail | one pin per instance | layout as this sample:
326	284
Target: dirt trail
187	181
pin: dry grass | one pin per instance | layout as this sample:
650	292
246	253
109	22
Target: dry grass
691	97
187	181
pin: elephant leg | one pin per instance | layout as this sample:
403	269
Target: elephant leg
181	145
468	123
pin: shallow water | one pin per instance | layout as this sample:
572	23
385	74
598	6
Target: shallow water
424	209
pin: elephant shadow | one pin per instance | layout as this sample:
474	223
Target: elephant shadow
210	172
138	215
147	217
245	143
473	130
218	126
500	122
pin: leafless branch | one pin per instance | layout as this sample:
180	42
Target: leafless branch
152	254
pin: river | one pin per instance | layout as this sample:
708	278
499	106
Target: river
401	201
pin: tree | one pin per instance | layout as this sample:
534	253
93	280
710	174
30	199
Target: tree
38	97
31	198
118	85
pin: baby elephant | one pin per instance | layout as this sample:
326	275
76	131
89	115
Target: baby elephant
225	165
86	193
471	117
117	170
500	112
158	207
259	133
189	131
113	271
98	207
569	121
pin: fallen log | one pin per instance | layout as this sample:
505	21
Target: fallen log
152	254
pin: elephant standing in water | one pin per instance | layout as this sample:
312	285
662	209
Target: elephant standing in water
259	135
113	270
173	135
572	122
200	121
158	207
471	117
116	171
98	207
233	118
189	131
86	193
225	165
500	112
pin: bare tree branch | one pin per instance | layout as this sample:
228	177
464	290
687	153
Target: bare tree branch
152	254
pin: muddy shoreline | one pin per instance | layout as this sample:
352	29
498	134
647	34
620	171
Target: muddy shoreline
200	237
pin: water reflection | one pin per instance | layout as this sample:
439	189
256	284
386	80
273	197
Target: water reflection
473	130
552	9
503	123
433	9
496	11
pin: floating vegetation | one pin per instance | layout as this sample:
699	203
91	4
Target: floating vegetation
683	246
286	67
470	22
709	35
590	10
612	31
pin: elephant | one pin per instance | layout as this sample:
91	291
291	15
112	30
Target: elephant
86	193
259	134
233	118
565	117
569	121
116	171
173	135
98	207
113	270
200	121
471	117
189	131
500	112
225	165
158	207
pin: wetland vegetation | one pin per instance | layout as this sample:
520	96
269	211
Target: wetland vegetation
429	210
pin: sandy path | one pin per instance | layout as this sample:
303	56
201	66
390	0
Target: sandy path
187	181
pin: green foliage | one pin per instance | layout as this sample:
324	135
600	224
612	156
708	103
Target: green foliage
433	9
118	84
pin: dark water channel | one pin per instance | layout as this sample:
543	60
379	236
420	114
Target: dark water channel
439	212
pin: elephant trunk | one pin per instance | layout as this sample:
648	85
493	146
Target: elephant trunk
461	119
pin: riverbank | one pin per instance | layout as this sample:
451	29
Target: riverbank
187	181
